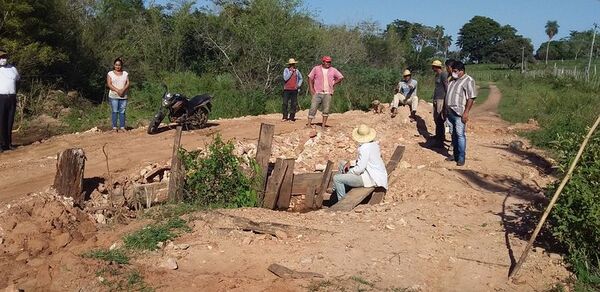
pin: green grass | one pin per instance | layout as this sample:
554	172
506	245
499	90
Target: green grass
116	255
123	279
148	237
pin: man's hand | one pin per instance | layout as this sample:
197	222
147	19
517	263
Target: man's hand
346	167
465	117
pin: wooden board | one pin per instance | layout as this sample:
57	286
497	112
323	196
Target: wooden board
303	180
325	180
309	201
285	193
68	181
352	199
274	185
263	152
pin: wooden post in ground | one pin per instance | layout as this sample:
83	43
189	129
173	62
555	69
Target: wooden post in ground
177	178
274	185
263	153
324	183
285	194
517	267
68	181
377	196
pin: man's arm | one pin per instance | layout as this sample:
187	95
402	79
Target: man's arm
470	94
361	163
311	85
286	74
337	77
300	79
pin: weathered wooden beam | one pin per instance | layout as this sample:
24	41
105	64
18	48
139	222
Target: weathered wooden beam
68	181
177	178
325	180
309	200
263	153
352	199
303	180
274	185
285	194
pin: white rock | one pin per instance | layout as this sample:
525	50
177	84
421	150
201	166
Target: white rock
116	245
160	244
390	227
404	164
320	167
100	218
421	166
402	222
182	246
170	264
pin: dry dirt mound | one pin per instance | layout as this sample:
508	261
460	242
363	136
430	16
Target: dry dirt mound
36	228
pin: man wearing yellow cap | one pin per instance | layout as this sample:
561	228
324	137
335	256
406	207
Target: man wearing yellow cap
439	95
406	94
8	100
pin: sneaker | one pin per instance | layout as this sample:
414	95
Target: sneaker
123	129
114	129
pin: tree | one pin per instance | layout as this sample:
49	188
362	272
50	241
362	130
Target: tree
508	51
551	31
478	37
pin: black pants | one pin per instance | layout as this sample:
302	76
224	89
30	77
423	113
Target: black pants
440	129
8	106
290	97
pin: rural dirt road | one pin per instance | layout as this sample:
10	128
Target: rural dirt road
440	228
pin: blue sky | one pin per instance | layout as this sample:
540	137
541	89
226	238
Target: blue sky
528	16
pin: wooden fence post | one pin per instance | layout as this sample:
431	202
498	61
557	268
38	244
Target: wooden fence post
177	178
68	181
263	153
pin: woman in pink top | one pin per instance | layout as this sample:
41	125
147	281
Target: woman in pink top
117	81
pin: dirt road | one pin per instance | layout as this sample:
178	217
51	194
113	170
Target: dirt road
440	228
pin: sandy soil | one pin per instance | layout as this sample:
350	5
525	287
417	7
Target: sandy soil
440	228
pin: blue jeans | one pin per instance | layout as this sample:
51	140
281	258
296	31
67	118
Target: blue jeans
459	139
341	180
118	111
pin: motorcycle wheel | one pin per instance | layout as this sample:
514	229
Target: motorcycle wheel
199	119
153	126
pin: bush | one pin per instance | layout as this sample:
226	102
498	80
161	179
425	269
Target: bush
148	237
217	179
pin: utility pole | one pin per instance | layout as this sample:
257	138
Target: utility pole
591	52
522	60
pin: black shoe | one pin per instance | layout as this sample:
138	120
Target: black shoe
460	163
450	158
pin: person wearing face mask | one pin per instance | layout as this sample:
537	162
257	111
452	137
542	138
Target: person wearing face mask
9	76
406	94
369	170
459	100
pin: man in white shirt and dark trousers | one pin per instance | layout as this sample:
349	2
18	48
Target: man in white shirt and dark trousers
8	100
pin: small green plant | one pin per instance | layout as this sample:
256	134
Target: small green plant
148	237
123	279
116	255
362	281
217	179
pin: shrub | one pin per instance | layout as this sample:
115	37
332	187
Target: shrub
148	237
115	255
217	179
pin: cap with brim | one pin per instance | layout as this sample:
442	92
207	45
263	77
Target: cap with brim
364	134
292	61
3	52
326	59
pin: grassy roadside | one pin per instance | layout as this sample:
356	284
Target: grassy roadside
564	109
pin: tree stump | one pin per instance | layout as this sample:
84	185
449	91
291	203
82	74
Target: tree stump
68	181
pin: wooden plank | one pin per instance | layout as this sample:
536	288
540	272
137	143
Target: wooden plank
303	180
177	178
263	153
326	179
68	181
285	194
309	201
378	195
352	199
274	184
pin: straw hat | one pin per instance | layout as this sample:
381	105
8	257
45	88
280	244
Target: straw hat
363	134
3	52
292	61
406	73
437	63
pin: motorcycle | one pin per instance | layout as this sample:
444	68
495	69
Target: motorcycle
189	113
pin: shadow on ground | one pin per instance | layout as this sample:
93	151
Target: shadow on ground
529	158
518	219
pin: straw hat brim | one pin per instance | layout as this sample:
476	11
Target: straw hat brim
364	138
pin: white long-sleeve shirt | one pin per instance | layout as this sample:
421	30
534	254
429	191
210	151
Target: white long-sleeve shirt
370	166
8	79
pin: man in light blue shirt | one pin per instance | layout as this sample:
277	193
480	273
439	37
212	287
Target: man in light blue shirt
406	94
292	81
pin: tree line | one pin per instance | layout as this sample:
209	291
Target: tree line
71	44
